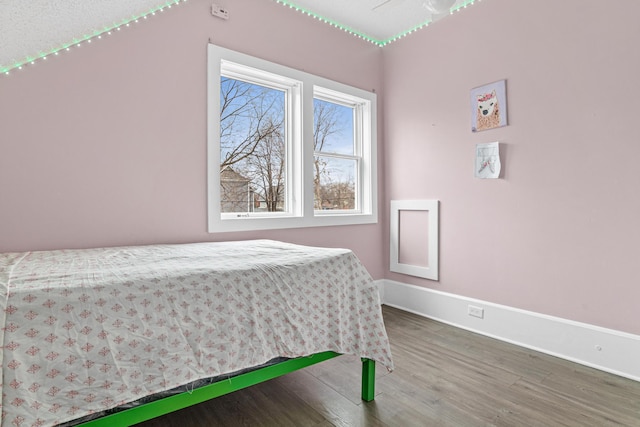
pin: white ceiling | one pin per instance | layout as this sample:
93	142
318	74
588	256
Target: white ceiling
379	20
33	29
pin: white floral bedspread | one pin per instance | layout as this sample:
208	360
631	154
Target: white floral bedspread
87	330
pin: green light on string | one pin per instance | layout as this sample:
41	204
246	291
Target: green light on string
363	36
329	21
97	34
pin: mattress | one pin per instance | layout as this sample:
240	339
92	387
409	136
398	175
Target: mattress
88	330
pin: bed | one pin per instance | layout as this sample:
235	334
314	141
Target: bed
84	331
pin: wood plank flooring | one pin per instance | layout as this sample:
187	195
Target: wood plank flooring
444	376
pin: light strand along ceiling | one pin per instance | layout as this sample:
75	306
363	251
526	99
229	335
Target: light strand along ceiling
377	21
34	30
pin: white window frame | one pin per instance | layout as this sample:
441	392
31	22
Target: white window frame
291	89
301	88
361	134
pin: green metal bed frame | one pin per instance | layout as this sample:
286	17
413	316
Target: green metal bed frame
176	402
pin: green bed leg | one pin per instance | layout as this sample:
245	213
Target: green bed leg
368	379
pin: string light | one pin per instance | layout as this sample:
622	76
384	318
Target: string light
136	19
31	61
326	20
363	36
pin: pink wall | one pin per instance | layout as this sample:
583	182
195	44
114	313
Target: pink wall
559	234
106	145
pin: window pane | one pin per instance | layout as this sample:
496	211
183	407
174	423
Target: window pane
252	148
332	127
335	183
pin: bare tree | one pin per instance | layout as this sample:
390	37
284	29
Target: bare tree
325	124
267	166
340	194
253	149
329	192
251	141
248	116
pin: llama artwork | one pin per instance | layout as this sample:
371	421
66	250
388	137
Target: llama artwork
488	111
488	107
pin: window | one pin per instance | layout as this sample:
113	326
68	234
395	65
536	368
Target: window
256	142
286	148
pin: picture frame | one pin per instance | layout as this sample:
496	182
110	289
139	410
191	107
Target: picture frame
414	238
489	106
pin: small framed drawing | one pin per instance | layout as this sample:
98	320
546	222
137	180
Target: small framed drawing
489	106
488	163
414	238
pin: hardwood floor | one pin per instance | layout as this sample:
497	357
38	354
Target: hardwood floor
444	376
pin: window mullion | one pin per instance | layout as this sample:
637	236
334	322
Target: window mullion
307	151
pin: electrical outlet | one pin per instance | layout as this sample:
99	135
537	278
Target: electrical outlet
220	12
475	311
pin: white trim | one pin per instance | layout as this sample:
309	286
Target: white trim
601	348
431	206
302	213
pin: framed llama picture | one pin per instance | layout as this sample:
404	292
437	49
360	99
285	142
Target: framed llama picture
489	106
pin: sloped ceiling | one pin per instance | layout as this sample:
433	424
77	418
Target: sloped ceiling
33	29
379	21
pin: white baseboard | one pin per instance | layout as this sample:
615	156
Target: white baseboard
605	349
